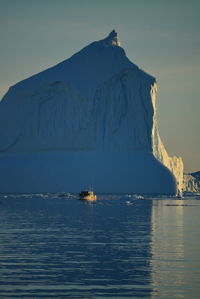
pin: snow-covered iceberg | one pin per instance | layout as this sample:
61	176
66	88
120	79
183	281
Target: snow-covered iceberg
91	119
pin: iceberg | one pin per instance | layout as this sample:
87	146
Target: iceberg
90	119
192	182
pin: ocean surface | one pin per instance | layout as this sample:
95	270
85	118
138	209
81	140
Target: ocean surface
117	247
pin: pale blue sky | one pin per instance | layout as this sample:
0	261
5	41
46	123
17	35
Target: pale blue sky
162	37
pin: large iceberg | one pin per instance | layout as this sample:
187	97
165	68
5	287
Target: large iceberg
90	120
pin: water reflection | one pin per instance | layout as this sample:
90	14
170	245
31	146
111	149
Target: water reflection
58	248
119	247
175	249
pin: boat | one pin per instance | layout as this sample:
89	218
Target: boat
87	195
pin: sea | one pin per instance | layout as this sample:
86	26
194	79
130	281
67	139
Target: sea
120	246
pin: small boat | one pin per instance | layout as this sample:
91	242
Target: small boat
87	195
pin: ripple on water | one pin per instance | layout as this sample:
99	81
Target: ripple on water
60	247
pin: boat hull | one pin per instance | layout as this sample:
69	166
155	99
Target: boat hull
89	198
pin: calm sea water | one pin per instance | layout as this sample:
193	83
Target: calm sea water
117	247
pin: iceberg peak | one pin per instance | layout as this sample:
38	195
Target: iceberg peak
112	39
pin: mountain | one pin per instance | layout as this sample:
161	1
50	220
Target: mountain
91	119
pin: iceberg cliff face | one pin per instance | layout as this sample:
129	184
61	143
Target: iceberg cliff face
192	182
175	164
90	120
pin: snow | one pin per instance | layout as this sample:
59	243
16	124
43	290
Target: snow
90	118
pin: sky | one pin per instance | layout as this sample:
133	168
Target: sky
161	37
